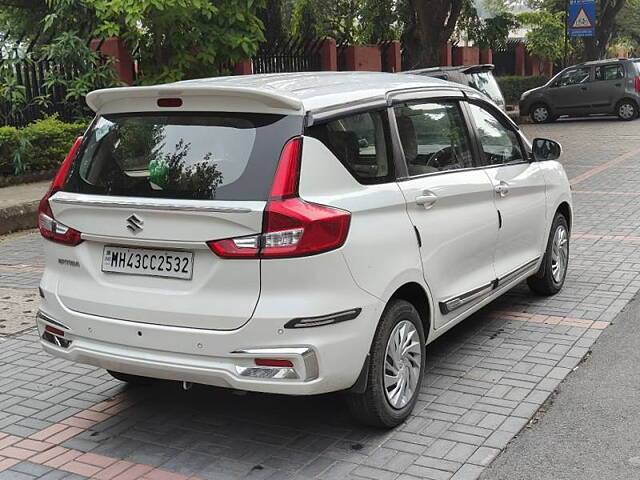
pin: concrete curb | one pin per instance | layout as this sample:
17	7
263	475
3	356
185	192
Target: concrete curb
19	217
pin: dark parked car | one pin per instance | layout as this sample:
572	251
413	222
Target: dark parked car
603	86
479	77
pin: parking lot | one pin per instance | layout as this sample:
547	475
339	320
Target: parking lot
486	379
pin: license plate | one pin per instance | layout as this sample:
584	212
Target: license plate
155	263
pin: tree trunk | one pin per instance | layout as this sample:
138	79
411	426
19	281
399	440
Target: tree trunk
435	21
596	47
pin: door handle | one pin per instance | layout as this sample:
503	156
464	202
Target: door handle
427	199
502	188
618	84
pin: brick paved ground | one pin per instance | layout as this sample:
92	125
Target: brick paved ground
485	380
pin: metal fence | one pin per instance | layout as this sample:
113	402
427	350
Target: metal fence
289	55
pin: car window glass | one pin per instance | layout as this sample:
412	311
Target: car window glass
574	77
499	144
487	84
433	136
358	141
609	72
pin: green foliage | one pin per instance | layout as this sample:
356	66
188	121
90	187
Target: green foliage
514	86
71	53
381	21
337	19
8	146
180	39
41	145
546	35
487	33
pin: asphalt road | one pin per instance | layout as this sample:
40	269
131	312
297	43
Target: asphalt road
592	429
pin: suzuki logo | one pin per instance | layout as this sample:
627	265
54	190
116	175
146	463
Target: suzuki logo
134	224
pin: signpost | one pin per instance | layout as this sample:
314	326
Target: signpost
581	18
580	21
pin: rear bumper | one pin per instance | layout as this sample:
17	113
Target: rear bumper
325	359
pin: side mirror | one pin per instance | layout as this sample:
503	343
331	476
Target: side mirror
545	149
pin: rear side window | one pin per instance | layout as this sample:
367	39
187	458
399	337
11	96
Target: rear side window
486	83
360	142
222	156
609	72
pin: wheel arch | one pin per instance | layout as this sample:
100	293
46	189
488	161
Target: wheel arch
565	209
416	295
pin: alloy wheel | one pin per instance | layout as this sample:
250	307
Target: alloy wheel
402	365
559	254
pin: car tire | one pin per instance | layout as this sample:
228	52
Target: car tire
377	405
627	110
540	113
128	378
550	277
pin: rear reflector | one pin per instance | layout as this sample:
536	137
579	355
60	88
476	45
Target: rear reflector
170	102
637	84
273	362
291	226
54	330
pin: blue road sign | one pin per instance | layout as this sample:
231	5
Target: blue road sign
581	18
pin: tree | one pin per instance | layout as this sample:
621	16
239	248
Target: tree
628	25
491	32
182	38
430	24
546	35
607	11
380	21
337	19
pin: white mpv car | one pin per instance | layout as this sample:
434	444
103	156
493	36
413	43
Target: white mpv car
293	233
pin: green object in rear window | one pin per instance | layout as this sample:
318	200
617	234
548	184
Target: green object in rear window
158	173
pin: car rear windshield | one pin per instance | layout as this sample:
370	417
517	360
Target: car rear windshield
200	156
486	83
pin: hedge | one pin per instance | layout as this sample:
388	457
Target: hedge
513	86
41	145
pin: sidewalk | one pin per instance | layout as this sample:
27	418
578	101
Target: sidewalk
19	205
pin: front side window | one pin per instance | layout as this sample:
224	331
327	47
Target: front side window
433	136
574	76
609	72
197	156
499	144
359	142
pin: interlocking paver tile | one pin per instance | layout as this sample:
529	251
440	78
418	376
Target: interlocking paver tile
484	381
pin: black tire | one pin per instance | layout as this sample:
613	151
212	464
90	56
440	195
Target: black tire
540	113
544	282
627	110
128	378
372	407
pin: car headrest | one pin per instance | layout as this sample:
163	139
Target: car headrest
407	133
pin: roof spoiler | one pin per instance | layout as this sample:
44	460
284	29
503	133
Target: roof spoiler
99	98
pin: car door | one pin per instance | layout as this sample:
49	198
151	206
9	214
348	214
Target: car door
607	87
450	203
519	192
569	93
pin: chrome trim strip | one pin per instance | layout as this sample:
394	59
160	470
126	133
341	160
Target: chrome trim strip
47	318
308	355
453	303
517	272
322	320
70	199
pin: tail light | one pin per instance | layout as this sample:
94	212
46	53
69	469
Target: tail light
637	84
50	228
291	226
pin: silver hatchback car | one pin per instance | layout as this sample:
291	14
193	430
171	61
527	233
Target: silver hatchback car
599	87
